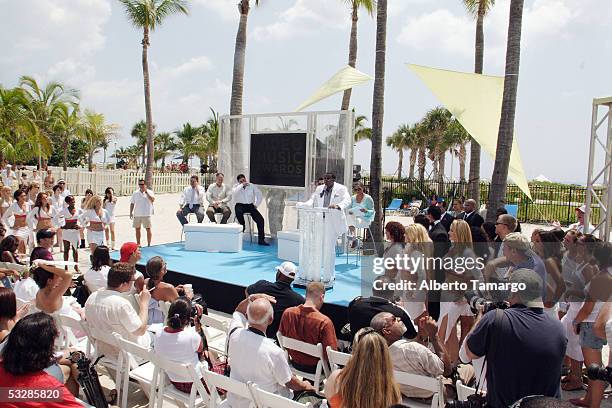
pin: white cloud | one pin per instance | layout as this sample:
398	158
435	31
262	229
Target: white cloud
305	17
73	72
194	65
226	9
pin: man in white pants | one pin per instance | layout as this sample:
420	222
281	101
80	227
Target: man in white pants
334	196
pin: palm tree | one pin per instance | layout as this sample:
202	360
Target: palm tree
210	141
187	143
378	107
411	141
139	131
478	9
499	179
456	138
362	132
396	143
65	125
436	123
148	15
369	6
164	145
95	132
244	6
421	135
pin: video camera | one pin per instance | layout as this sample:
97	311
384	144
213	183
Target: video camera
475	300
597	372
473	401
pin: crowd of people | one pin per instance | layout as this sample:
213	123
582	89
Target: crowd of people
509	344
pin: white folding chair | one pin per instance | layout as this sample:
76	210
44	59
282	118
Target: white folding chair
463	391
69	326
164	306
214	381
216	332
146	374
110	362
432	384
265	399
336	359
287	343
166	391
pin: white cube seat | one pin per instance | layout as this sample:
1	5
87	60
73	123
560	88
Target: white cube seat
213	237
288	245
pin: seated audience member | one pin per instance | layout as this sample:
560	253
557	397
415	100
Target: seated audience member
160	291
52	281
415	357
367	379
8	250
524	346
306	323
361	310
180	342
108	311
130	253
501	211
255	358
281	291
9	315
27	359
95	277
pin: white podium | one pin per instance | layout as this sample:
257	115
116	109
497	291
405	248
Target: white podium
316	260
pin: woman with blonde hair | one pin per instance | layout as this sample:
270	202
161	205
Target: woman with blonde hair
95	218
418	246
460	266
367	379
6	199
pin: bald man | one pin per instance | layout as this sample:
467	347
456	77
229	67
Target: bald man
256	358
470	215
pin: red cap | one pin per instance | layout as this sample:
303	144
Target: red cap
127	250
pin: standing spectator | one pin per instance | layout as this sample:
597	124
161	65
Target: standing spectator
141	210
23	181
423	220
36	178
441	244
523	345
107	310
306	323
470	215
97	276
65	192
457	207
32	190
367	379
218	195
255	358
281	291
506	224
418	246
248	197
9	179
579	226
49	180
192	201
501	211
550	250
361	212
28	352
109	203
6	199
395	234
57	204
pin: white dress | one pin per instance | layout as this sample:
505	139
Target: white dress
70	235
15	211
90	216
109	206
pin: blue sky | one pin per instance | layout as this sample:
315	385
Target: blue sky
295	45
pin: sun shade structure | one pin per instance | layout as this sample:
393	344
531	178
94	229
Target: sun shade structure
342	80
476	101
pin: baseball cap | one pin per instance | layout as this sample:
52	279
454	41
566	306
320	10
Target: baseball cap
61	181
516	240
127	250
582	209
288	269
531	296
44	233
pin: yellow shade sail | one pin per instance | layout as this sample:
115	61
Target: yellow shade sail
344	79
476	101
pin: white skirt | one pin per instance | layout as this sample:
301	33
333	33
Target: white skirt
24	233
95	237
453	310
72	236
573	350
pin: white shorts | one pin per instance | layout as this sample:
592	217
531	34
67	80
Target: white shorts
72	236
95	237
24	233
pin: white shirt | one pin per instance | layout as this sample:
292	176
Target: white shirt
143	207
95	280
247	195
108	311
414	358
193	196
181	347
582	228
25	289
258	359
216	193
7	179
90	215
65	193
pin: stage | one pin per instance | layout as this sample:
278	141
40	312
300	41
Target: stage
221	278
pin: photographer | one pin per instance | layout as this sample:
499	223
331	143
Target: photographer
523	346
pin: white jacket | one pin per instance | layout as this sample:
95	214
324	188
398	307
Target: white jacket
340	197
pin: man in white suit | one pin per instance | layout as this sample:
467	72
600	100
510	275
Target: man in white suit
334	196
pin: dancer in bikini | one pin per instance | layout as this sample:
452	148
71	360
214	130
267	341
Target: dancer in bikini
42	215
19	211
110	201
71	229
95	218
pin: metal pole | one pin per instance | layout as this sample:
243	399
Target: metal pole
587	214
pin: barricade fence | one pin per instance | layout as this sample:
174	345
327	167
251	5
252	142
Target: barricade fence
124	182
550	202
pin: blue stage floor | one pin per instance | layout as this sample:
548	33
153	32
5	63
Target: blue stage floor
252	264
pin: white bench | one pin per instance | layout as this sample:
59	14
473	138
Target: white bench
288	245
213	237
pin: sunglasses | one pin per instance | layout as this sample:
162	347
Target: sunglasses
141	185
501	223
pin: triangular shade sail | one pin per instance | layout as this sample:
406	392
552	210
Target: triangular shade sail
476	101
346	78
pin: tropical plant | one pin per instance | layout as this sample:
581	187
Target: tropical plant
421	135
362	132
397	141
499	179
164	145
148	15
95	132
455	139
436	123
77	154
369	6
187	140
139	132
478	9
378	104
210	141
65	124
